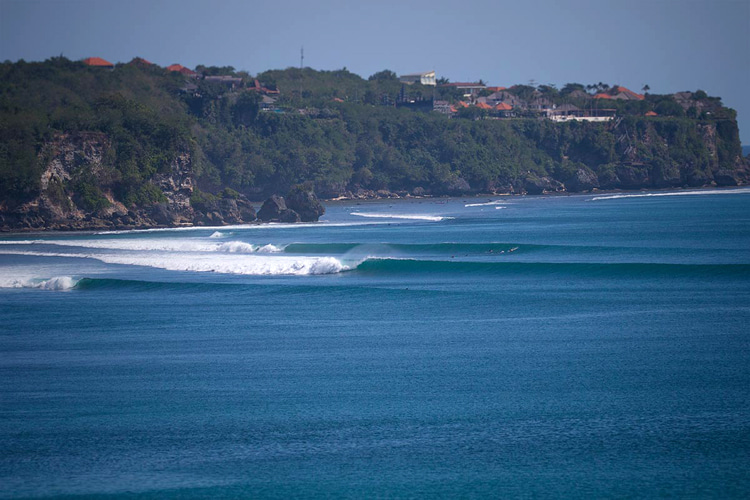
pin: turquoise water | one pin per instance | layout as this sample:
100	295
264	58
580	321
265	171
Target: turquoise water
580	346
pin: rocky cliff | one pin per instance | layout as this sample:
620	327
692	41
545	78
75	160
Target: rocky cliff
77	191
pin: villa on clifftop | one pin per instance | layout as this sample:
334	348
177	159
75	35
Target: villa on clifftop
98	62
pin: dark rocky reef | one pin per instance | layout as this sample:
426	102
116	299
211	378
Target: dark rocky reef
300	205
302	200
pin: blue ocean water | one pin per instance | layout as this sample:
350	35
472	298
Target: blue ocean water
576	346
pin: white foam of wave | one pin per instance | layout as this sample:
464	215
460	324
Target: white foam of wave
156	244
486	204
431	218
236	247
270	248
499	208
673	193
269	225
242	247
56	283
217	234
257	265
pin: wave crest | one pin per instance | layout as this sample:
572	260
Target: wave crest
255	265
486	204
672	193
430	218
57	283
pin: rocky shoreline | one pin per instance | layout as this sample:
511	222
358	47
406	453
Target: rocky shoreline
276	210
76	192
300	205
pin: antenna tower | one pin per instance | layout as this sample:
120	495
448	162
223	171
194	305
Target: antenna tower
301	57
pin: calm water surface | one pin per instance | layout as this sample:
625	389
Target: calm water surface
583	346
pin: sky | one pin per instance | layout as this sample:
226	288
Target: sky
670	45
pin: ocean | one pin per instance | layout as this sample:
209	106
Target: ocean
542	346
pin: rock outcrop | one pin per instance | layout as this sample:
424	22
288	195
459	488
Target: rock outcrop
533	184
272	208
302	200
584	179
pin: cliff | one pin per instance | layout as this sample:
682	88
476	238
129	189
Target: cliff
142	147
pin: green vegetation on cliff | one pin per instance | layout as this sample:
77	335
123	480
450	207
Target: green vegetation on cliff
331	128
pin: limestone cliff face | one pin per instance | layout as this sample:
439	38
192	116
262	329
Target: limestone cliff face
64	159
78	187
178	184
70	161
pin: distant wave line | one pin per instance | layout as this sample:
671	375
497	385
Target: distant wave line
674	193
430	218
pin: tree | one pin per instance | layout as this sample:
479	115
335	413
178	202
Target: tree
569	88
646	88
245	109
385	75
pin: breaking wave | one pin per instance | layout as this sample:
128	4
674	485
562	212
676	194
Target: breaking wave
486	204
56	283
430	218
267	225
255	265
242	247
155	244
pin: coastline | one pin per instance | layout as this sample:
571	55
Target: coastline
343	199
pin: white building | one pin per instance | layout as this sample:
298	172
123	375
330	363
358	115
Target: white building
427	78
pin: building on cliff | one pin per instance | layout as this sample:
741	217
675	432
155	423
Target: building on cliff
620	93
426	78
98	62
182	69
470	89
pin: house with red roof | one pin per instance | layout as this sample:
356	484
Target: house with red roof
182	69
257	87
620	93
141	61
98	62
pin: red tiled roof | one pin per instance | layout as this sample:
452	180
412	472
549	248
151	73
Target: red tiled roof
629	92
483	105
256	86
496	89
453	109
98	61
602	96
462	104
337	99
503	107
651	113
182	69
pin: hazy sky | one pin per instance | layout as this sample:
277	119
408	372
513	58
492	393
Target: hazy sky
671	45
